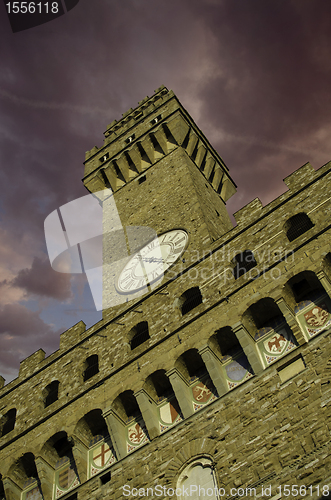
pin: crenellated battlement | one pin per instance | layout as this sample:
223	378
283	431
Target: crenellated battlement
131	117
224	365
32	363
160	126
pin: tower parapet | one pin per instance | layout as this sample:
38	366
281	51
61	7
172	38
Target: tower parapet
147	134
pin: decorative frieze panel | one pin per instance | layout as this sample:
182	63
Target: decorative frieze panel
203	392
169	413
275	341
100	455
236	369
314	315
66	477
31	490
136	435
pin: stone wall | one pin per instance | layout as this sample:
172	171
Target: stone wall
243	376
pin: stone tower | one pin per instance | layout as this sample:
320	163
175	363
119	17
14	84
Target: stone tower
213	383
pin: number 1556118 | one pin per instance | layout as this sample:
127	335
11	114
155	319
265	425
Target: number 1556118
32	7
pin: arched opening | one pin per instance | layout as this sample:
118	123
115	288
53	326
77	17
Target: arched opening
297	225
126	406
202	389
93	431
134	430
260	315
191	365
243	262
225	343
91	367
190	299
138	334
91	425
58	453
235	365
24	473
305	286
267	325
311	304
158	386
2	490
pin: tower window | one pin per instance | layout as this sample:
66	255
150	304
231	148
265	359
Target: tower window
138	115
9	420
104	158
52	393
92	367
156	120
190	299
140	334
130	139
142	179
297	225
244	261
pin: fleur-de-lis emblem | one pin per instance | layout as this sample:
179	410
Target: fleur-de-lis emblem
136	434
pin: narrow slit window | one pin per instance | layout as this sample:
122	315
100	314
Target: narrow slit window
140	334
92	367
9	420
52	393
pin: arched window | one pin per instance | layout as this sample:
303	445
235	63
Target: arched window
199	480
91	366
51	393
2	490
158	385
9	420
58	450
126	406
297	225
191	365
227	342
139	334
244	261
190	299
305	285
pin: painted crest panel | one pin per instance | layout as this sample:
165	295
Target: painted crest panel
66	477
137	435
313	315
31	490
275	341
100	455
170	414
236	370
203	392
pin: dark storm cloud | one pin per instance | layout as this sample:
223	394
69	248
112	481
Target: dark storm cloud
272	97
41	280
254	74
22	332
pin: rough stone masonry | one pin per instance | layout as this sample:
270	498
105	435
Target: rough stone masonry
217	377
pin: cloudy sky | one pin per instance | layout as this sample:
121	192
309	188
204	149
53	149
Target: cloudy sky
254	74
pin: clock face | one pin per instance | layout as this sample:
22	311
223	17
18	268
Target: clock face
151	262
